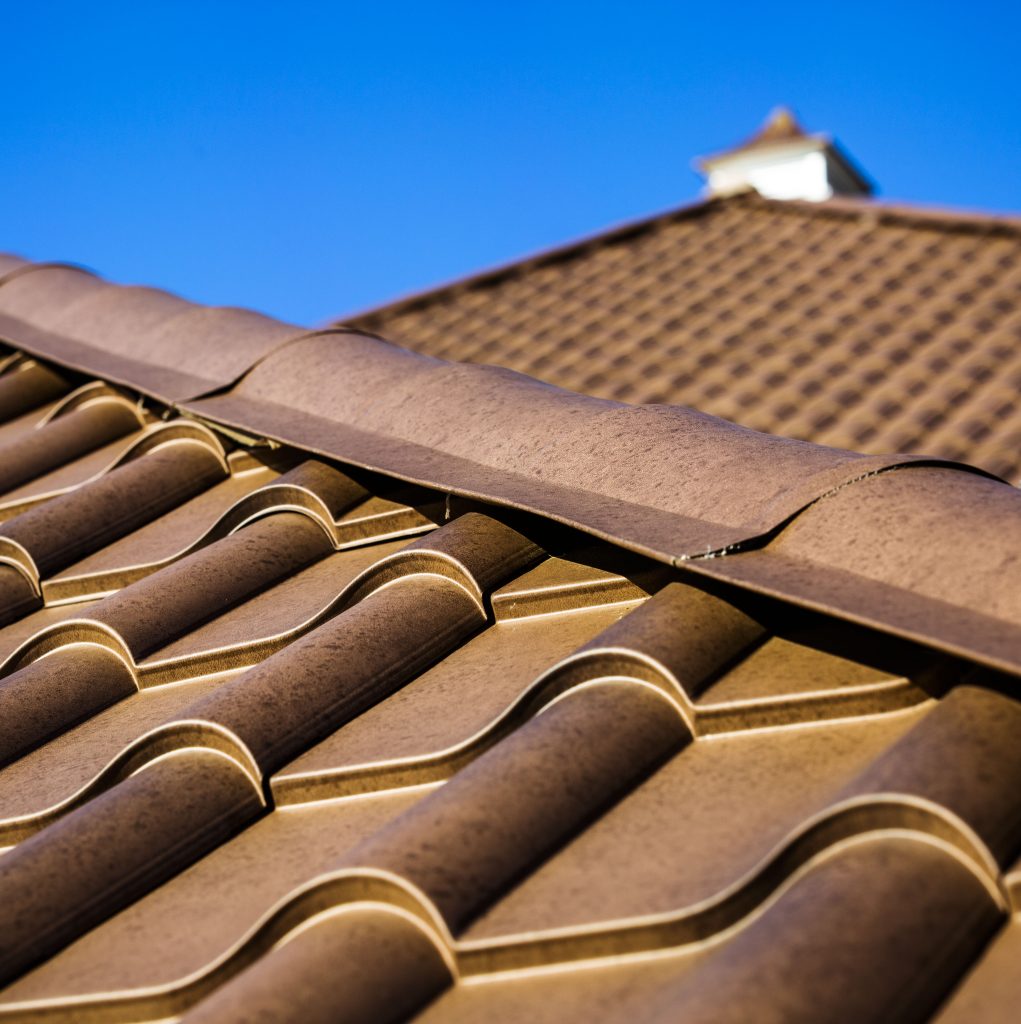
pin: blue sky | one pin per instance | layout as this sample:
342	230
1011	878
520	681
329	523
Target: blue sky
310	160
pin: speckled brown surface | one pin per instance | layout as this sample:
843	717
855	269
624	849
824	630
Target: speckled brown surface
851	323
375	688
159	343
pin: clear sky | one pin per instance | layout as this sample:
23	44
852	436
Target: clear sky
310	160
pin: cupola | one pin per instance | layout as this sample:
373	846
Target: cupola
783	161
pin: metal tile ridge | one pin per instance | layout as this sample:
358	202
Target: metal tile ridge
666	481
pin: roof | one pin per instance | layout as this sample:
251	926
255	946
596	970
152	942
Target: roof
779	128
850	322
345	683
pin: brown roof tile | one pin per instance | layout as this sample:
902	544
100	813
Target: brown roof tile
375	688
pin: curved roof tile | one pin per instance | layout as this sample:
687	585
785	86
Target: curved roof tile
657	716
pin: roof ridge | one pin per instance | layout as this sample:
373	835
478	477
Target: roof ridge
902	211
542	256
67	313
944	218
400	410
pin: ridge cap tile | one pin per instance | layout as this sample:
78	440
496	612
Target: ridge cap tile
506	428
123	332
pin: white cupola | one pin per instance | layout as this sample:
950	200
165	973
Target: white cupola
782	161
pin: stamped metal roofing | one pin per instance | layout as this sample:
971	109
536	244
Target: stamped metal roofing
341	683
849	322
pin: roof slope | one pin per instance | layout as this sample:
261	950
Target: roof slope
848	323
375	688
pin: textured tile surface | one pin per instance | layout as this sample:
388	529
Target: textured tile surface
377	688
